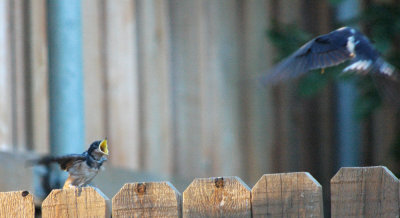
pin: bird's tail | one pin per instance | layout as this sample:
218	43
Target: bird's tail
46	160
388	88
378	67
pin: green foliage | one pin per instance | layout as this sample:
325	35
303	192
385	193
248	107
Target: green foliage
286	38
382	25
383	21
335	2
368	99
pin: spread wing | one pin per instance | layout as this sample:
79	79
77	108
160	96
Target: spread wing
65	161
323	51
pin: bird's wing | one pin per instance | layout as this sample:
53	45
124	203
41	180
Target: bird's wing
65	161
323	51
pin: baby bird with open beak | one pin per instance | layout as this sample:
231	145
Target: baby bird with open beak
82	168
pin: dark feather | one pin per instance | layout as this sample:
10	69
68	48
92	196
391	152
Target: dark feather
322	51
65	161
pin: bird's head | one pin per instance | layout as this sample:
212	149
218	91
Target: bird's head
98	148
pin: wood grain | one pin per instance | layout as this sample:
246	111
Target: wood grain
287	195
187	56
153	199
122	83
94	70
384	135
286	154
16	204
255	100
219	104
38	78
205	67
75	202
6	110
19	70
156	92
364	192
217	197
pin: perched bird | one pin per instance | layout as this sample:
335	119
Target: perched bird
82	168
331	49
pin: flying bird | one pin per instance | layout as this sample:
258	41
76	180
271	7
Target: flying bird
331	49
82	168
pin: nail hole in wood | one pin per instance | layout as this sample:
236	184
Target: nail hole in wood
219	182
24	193
141	188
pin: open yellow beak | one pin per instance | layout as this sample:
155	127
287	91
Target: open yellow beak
103	147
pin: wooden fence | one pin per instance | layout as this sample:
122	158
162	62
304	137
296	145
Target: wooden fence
355	192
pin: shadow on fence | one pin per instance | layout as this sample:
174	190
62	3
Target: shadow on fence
355	192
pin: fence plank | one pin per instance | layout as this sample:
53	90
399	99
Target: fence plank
216	197
285	152
154	68
19	68
287	195
219	88
76	202
122	85
38	78
187	66
94	69
364	192
153	199
16	204
6	109
254	99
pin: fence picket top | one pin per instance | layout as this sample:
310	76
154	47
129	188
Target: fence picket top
365	192
216	197
76	202
150	199
286	195
16	204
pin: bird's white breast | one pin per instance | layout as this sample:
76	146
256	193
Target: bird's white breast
350	44
81	173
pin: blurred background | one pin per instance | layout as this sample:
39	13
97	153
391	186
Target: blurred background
174	86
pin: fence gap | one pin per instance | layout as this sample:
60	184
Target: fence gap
216	197
16	204
287	195
150	199
364	192
76	202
